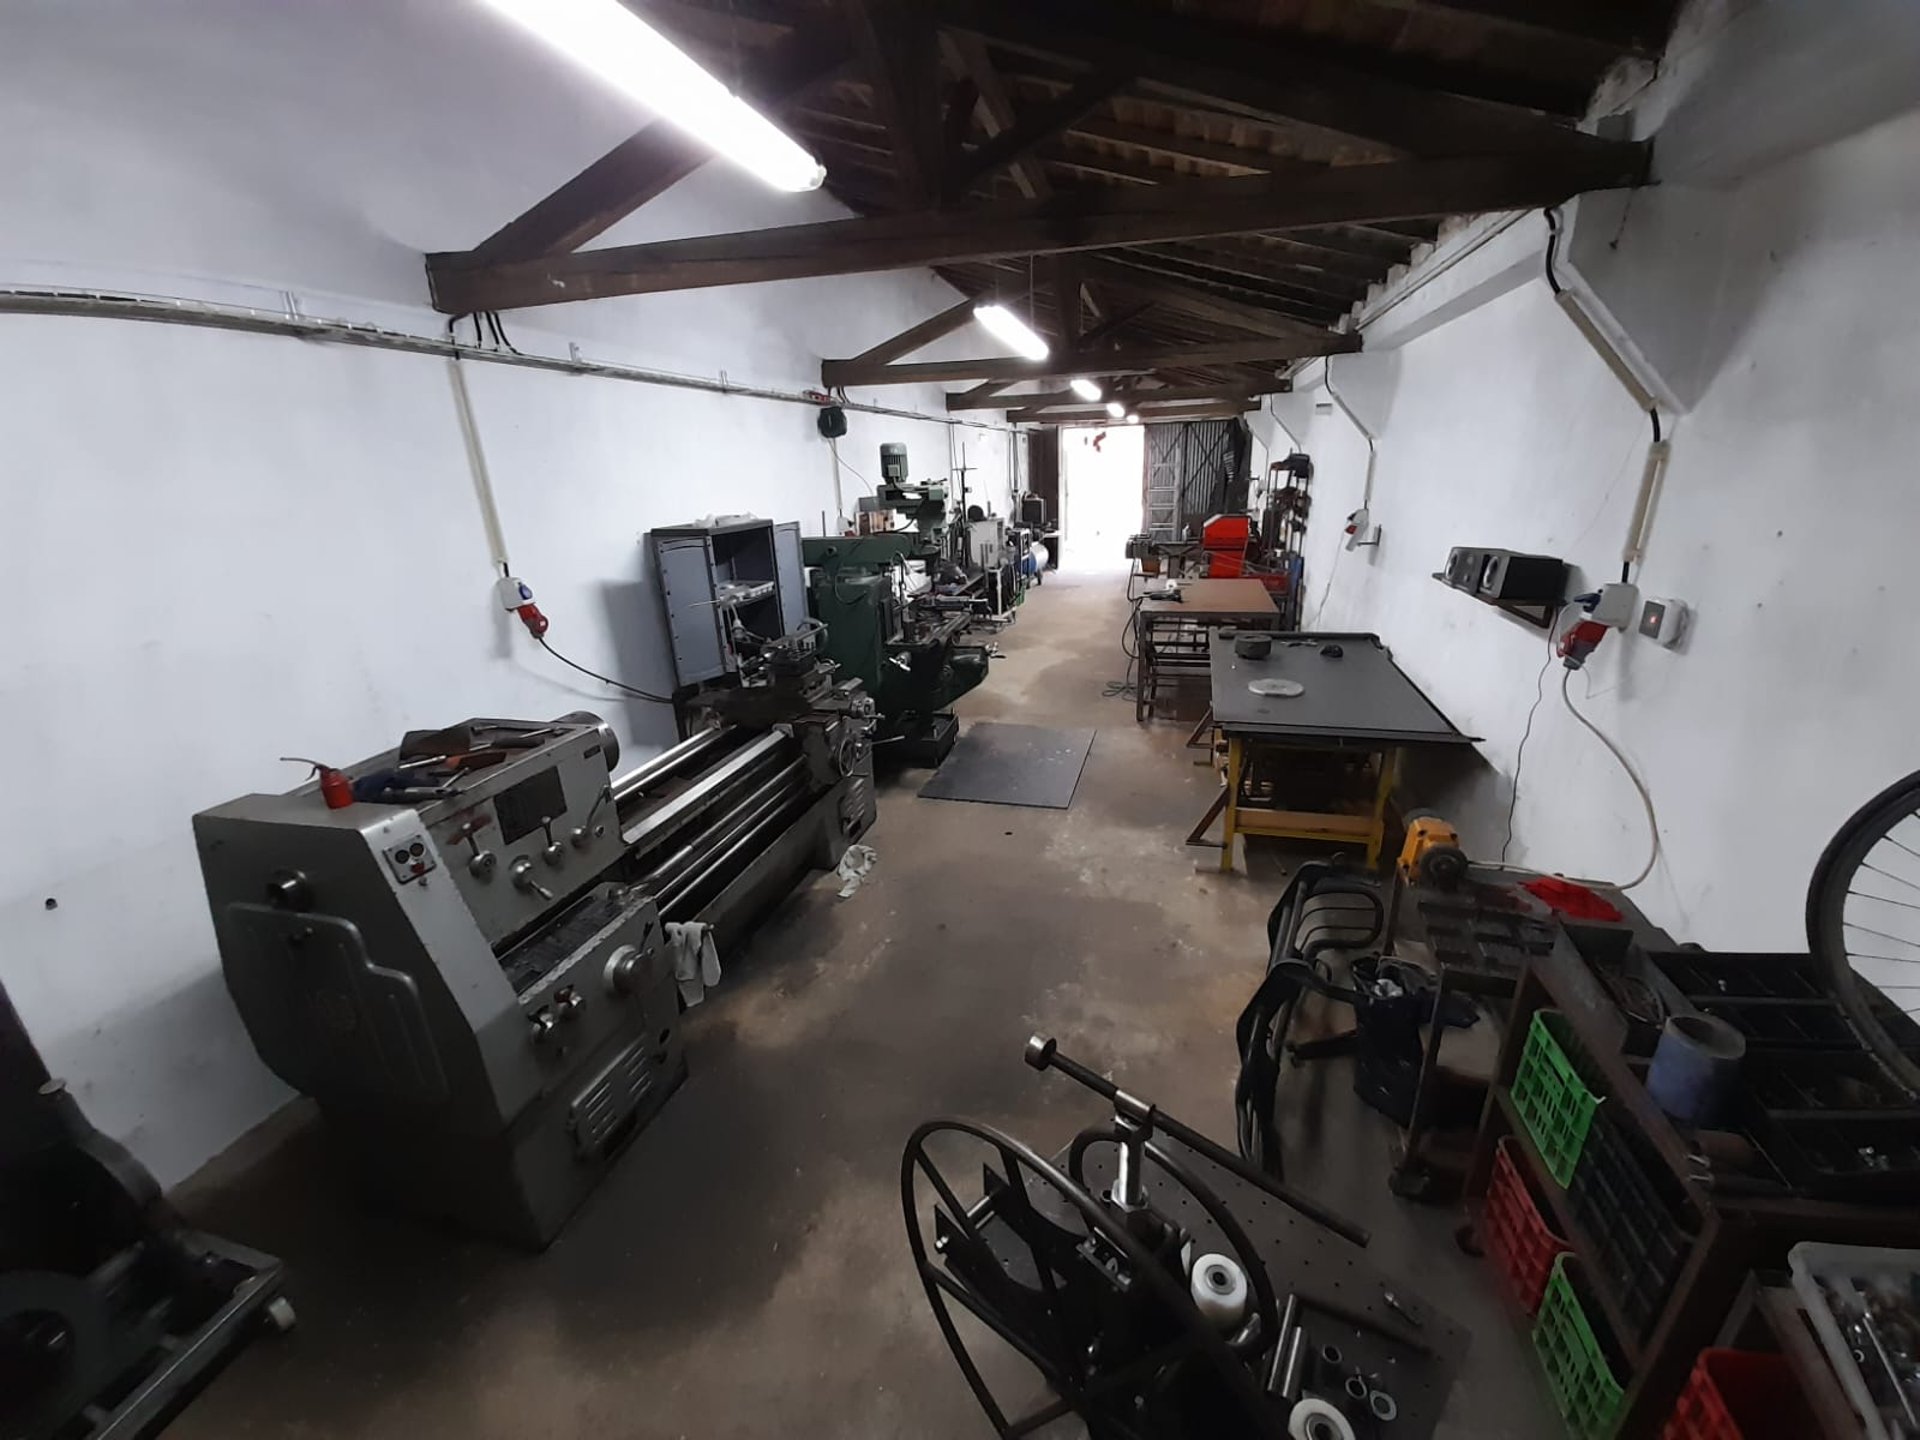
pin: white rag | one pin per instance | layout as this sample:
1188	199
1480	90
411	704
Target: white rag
696	963
853	868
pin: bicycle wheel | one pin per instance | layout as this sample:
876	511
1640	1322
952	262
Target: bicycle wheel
1863	922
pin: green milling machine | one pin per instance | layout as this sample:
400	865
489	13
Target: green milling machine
888	624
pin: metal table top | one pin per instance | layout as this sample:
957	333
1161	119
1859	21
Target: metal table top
1216	600
1362	695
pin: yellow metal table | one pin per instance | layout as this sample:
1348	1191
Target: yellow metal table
1320	763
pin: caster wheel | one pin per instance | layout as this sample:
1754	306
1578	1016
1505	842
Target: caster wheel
280	1315
1467	1237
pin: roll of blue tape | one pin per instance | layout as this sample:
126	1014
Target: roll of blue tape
1696	1067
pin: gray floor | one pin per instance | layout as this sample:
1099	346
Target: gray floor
745	1272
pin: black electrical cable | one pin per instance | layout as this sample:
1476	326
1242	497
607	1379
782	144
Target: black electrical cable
603	679
500	331
1553	244
1520	755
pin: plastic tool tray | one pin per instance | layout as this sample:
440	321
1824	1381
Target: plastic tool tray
1636	1216
1483	933
1741	1395
1578	1355
1833	1120
1518	1238
1864	1303
1555	1091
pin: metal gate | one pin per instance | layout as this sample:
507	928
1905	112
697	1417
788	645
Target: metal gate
1165	445
1195	469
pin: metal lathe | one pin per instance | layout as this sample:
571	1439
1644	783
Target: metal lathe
464	963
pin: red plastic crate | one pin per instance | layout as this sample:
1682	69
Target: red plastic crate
1740	1395
1518	1239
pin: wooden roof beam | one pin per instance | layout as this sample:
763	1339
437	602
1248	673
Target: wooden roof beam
917	336
1053	399
660	156
463	282
1136	359
1149	415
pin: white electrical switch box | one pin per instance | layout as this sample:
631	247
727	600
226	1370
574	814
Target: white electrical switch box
1664	621
1615	604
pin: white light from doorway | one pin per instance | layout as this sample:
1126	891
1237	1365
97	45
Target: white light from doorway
1084	388
609	40
1011	330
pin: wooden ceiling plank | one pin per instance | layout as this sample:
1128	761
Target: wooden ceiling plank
463	282
968	54
660	156
1611	28
1040	125
901	60
1187	300
1228	69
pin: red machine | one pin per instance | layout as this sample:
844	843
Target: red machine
1225	539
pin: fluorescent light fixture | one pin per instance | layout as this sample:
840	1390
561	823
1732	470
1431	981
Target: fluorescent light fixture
1084	388
1116	409
608	39
1011	330
1133	419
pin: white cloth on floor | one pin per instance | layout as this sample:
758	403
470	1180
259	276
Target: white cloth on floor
696	962
853	868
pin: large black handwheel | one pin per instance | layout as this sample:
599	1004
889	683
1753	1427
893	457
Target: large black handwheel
1863	923
1016	1285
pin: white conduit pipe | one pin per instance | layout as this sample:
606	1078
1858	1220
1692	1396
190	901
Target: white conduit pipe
108	305
477	463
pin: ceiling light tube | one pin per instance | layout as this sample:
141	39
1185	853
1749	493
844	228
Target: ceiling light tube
606	38
1116	409
1011	330
1084	388
1133	419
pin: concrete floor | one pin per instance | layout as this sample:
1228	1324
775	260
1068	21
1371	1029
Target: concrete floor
744	1272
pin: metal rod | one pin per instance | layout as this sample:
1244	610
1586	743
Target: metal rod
774	819
1043	1052
702	793
669	763
699	837
743	825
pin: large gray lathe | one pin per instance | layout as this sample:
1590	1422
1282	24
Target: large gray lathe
473	984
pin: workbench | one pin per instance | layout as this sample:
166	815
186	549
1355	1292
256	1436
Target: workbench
1741	1227
1171	636
1356	713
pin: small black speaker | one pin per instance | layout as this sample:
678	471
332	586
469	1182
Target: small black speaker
832	421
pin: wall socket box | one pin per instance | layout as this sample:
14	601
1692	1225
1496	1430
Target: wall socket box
1664	621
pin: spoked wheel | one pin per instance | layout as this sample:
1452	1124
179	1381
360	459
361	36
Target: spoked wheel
1093	1297
1863	923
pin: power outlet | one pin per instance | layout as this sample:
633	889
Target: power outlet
1664	621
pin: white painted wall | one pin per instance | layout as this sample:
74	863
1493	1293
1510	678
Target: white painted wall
225	548
1787	520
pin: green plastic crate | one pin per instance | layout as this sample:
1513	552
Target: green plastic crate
1578	1372
1554	1100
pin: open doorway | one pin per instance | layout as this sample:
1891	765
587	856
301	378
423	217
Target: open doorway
1102	476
